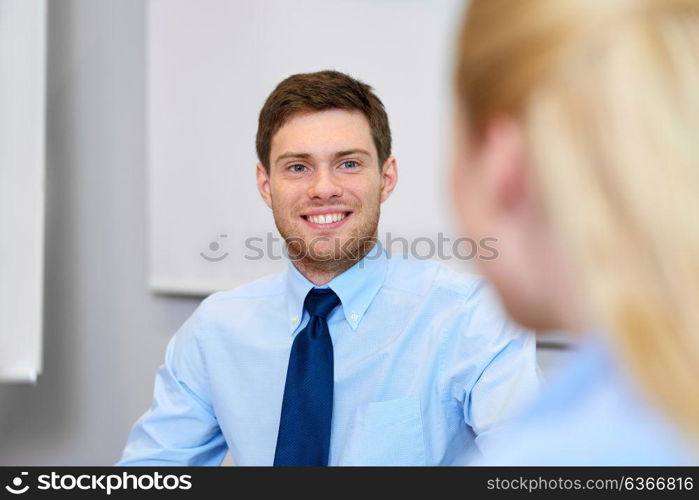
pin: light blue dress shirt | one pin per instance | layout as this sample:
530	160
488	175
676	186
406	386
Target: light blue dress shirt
426	365
592	413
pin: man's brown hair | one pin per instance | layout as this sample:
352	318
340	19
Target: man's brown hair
320	91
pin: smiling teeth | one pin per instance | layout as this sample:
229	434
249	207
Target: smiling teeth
326	219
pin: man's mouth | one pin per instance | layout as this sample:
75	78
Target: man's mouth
328	220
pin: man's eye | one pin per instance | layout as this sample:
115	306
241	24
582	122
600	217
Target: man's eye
297	168
350	164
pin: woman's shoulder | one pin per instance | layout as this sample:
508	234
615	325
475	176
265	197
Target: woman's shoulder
591	414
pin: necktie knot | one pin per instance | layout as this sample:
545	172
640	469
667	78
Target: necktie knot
321	301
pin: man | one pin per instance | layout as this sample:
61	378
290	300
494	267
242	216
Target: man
351	357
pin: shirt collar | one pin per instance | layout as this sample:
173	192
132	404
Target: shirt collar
356	287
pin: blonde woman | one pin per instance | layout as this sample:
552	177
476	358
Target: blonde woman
577	147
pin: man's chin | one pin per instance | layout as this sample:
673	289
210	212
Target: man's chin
328	252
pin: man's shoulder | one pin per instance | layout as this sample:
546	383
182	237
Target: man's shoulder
466	298
427	276
267	286
222	309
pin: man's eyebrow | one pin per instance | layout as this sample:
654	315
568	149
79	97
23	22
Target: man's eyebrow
303	156
351	152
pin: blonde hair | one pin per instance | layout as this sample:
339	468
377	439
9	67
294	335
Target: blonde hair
607	93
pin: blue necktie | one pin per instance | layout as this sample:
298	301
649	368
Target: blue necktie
304	428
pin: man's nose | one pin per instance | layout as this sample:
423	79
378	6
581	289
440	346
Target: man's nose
325	184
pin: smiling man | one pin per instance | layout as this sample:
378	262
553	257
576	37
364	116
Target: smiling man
352	356
321	178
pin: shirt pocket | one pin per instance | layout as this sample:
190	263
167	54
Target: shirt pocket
387	433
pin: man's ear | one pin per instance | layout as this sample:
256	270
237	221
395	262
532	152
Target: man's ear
263	184
389	177
503	160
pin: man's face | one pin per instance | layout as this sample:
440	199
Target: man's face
325	185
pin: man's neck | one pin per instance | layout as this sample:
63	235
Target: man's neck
322	272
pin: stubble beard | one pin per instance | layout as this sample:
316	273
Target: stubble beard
329	254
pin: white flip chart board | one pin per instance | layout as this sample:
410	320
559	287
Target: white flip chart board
22	111
212	63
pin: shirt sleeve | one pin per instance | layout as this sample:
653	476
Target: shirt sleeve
493	370
181	427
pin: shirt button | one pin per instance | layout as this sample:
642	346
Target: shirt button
294	319
354	317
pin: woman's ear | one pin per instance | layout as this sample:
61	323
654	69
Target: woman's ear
503	160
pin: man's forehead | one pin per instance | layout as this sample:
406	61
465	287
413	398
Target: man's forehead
323	134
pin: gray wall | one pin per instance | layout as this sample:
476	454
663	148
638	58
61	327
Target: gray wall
104	332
